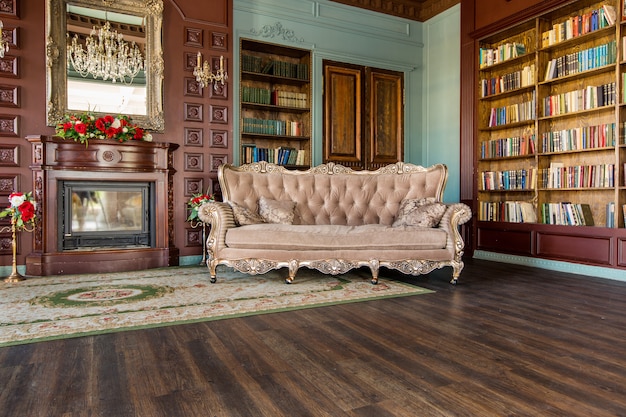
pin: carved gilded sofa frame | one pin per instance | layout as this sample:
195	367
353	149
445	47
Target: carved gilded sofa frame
219	216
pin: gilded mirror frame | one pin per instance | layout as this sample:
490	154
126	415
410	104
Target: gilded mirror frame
56	59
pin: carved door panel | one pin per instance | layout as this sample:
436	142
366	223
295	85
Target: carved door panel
342	115
363	116
384	118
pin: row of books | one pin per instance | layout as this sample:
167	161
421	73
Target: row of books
252	63
290	99
515	179
567	214
579	138
272	127
575	139
590	97
580	61
513	113
261	95
508	82
506	147
290	70
561	213
280	156
507	211
579	176
611	214
256	95
579	25
501	53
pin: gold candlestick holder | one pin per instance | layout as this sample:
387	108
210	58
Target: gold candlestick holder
15	275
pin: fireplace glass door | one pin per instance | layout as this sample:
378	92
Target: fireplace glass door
101	215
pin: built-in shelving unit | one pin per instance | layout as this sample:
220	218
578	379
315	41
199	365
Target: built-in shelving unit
550	146
275	97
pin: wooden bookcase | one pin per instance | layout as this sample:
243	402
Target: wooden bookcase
275	97
550	146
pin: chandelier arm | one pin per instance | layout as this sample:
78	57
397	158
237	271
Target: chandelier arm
106	55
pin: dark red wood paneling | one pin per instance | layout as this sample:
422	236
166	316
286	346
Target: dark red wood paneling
215	24
505	240
594	249
621	252
490	11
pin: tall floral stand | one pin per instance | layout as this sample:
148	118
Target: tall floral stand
203	236
15	276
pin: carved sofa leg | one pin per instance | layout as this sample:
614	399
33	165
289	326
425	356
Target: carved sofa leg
212	264
374	267
457	267
293	268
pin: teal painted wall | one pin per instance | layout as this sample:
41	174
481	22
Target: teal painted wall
340	33
441	96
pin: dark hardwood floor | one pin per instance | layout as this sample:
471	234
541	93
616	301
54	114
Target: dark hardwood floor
506	341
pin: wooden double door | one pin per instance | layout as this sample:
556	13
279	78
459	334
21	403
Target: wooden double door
363	116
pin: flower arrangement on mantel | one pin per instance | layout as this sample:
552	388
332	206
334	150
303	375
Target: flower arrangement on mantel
21	210
86	126
194	204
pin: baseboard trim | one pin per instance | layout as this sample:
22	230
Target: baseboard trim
572	268
5	271
190	260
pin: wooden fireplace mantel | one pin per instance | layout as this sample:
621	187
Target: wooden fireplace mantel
56	159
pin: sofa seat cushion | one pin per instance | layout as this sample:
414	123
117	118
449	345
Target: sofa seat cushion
339	237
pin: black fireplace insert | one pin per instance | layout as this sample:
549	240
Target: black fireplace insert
97	215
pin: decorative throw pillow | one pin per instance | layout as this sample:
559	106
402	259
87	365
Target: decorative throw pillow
276	211
423	212
244	215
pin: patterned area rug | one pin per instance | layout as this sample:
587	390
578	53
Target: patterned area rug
46	308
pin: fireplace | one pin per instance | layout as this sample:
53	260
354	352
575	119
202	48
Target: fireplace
97	215
105	207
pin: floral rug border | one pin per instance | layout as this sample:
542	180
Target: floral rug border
69	319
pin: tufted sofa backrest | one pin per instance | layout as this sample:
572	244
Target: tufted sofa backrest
333	194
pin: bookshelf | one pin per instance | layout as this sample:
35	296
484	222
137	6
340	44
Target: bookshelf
275	100
550	150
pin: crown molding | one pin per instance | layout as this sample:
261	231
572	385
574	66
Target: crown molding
418	10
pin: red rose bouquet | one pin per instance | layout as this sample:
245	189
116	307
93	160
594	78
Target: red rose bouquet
83	127
21	210
194	204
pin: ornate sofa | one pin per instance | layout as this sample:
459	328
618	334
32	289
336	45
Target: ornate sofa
334	219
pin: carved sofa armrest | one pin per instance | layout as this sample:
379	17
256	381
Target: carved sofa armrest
220	217
454	216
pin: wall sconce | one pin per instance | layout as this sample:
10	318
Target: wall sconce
204	75
4	45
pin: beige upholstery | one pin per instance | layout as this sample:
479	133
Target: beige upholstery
338	198
342	220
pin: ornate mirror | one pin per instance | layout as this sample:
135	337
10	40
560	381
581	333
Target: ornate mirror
76	83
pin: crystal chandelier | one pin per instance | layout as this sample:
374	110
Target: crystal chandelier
4	45
106	55
205	76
